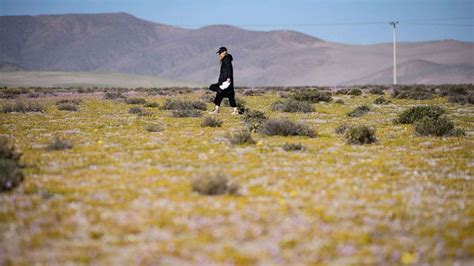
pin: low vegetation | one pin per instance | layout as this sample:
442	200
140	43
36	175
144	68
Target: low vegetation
360	135
285	127
214	185
11	169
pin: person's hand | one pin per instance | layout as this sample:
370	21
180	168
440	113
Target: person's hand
225	84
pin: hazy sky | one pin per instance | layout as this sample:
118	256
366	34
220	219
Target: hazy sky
347	21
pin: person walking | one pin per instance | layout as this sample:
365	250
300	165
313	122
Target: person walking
225	85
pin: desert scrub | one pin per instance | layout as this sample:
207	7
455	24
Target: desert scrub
186	113
214	185
68	107
376	90
114	96
292	106
154	127
416	113
359	111
253	119
413	92
439	126
11	169
312	96
69	101
355	92
293	147
285	127
178	104
135	101
22	107
151	104
341	129
360	135
381	100
211	121
339	101
59	144
240	137
139	111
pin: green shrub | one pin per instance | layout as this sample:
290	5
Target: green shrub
339	101
11	169
467	98
341	129
376	90
139	111
381	100
360	135
355	92
359	111
439	126
292	106
293	147
178	104
152	104
186	113
214	185
253	119
284	127
23	107
69	101
312	96
154	127
414	92
59	144
416	113
242	136
211	121
68	107
114	96
135	101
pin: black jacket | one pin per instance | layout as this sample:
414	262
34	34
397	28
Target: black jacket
227	70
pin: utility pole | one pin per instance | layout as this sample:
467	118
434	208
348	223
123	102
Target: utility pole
394	24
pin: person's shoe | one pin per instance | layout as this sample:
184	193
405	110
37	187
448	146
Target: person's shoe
235	112
216	111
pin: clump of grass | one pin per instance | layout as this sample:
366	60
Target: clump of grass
154	127
151	104
381	100
339	101
359	111
377	90
68	107
416	113
214	185
341	129
139	111
360	135
211	121
69	101
253	119
312	96
178	104
186	113
135	101
22	107
114	96
293	147
240	137
414	92
11	169
355	92
439	126
292	106
59	144
284	127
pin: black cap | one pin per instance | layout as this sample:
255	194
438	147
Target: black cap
222	49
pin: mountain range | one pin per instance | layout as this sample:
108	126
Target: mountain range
120	42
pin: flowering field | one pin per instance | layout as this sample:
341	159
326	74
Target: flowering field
122	193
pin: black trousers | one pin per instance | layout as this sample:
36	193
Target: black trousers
221	94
